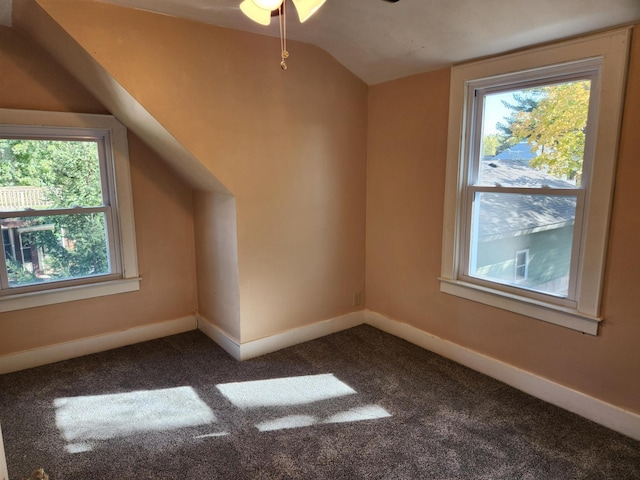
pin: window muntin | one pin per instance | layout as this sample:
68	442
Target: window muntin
605	53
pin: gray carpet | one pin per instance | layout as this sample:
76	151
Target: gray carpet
359	404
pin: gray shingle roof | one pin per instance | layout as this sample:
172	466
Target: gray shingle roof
503	214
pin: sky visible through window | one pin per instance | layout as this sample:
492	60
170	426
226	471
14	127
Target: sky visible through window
495	111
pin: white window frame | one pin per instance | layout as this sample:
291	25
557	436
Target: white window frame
477	90
112	137
609	51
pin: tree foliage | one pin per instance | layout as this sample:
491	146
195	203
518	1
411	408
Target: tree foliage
554	125
491	144
524	101
68	172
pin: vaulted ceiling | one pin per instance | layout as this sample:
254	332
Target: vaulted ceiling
380	41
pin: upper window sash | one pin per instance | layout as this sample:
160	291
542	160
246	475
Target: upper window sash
477	90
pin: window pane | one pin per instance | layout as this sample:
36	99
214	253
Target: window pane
54	247
505	224
40	174
535	137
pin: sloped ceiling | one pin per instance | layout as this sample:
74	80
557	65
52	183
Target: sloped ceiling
380	41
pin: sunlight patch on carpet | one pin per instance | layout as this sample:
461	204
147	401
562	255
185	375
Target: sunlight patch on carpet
212	435
280	392
290	421
358	414
78	447
366	412
306	393
101	417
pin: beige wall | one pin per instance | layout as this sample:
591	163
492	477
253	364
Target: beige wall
163	215
290	146
31	81
405	189
216	236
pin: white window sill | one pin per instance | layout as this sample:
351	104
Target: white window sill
547	312
40	298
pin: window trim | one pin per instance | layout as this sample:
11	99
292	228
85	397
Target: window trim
613	48
124	276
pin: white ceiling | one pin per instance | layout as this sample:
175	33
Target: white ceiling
380	41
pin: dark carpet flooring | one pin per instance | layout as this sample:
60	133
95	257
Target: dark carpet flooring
359	404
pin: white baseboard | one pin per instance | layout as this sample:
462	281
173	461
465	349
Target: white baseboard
300	335
615	418
219	336
4	473
273	343
77	348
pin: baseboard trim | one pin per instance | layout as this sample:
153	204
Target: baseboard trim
219	336
603	413
299	335
99	343
273	343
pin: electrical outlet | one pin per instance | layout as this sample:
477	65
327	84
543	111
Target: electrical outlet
357	299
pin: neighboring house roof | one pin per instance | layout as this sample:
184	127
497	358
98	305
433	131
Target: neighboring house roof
517	173
505	215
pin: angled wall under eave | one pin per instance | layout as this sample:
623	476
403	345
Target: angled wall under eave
34	21
31	80
290	146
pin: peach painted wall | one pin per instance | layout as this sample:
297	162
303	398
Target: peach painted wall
290	146
32	81
163	214
405	190
216	235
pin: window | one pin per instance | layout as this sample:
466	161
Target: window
529	148
530	167
521	265
65	209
